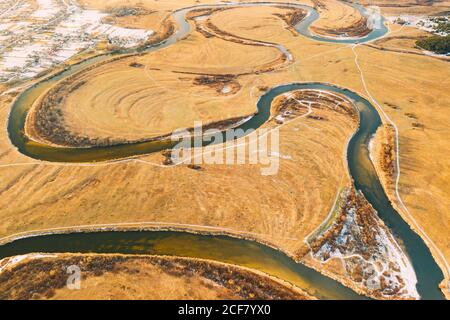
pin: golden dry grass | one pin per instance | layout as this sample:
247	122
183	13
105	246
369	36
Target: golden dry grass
139	103
282	209
333	13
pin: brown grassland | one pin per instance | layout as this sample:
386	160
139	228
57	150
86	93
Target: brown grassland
118	101
337	19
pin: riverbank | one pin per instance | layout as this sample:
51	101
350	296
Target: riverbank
321	101
146	277
194	245
341	21
359	250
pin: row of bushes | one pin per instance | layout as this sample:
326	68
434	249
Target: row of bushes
437	44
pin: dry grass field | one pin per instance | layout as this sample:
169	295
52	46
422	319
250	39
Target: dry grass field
130	97
118	277
123	102
281	212
402	39
416	7
418	106
338	19
117	100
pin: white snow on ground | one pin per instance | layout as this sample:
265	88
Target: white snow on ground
421	22
11	261
371	148
47	9
33	42
395	253
424	23
280	118
387	263
91	22
281	156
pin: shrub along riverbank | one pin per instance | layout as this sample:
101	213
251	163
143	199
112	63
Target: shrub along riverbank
437	44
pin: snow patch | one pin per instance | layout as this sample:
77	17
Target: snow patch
33	42
11	261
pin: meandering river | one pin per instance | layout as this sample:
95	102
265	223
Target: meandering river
222	248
